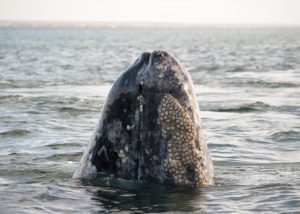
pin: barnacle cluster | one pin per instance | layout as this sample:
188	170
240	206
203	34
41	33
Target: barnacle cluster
182	153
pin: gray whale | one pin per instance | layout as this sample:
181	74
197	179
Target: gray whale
150	127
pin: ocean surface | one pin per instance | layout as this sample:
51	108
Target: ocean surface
54	81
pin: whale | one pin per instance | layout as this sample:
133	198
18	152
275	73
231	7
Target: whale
150	127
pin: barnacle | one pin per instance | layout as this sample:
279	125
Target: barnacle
178	127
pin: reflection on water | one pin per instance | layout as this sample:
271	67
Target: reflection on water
121	195
54	81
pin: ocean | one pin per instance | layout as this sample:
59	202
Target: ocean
54	82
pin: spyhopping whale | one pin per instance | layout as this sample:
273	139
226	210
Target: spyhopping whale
150	127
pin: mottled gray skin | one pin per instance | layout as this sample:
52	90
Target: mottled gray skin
128	141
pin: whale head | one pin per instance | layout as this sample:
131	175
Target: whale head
150	127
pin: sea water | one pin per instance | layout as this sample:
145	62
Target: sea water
54	82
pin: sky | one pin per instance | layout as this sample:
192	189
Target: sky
270	12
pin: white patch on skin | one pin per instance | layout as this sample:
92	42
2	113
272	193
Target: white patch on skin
159	67
141	108
103	149
141	102
130	127
121	154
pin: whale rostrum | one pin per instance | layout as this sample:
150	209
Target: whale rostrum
150	127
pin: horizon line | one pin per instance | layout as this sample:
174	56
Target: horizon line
125	24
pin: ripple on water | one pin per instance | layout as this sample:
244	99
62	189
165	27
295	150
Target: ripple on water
14	133
10	97
286	136
245	108
65	156
262	84
74	110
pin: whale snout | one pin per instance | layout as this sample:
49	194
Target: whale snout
154	56
162	71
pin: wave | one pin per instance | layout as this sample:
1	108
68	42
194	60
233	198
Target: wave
61	145
286	136
65	157
281	85
72	109
14	132
223	145
5	82
264	84
272	186
237	69
251	107
10	97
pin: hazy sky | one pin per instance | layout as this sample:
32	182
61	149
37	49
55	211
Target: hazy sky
182	11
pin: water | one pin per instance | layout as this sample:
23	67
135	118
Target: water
54	81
